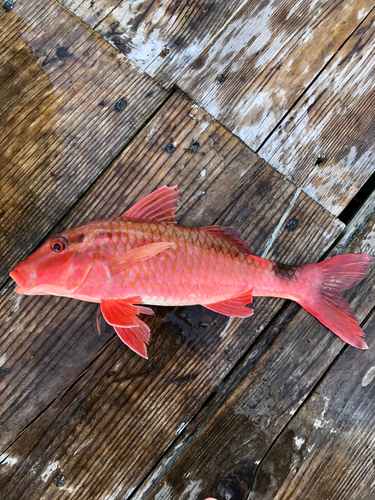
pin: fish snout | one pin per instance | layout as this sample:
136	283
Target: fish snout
23	276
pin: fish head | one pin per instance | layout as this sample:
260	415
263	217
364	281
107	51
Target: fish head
58	267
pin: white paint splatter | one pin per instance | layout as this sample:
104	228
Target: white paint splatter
7	460
3	358
318	424
203	173
180	428
193	489
369	376
224	332
166	493
276	231
298	442
49	469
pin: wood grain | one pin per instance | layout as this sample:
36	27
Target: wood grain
328	447
60	129
221	458
115	414
326	143
251	76
162	38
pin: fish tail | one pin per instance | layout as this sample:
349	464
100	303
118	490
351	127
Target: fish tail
326	302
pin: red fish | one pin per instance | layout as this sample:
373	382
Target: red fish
144	257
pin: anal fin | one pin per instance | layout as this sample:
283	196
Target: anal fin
234	307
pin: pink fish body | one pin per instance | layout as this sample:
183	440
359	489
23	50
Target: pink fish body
144	257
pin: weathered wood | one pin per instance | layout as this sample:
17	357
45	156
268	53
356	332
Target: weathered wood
221	460
327	450
326	144
59	84
254	72
162	38
110	425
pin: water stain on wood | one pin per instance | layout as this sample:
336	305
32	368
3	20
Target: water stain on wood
54	73
27	108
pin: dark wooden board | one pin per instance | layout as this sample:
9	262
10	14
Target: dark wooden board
59	83
114	413
253	74
326	144
162	38
327	450
220	458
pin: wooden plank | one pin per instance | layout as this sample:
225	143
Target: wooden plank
162	38
327	449
326	143
60	129
113	418
256	70
220	458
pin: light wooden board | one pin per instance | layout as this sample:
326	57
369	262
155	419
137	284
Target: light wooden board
115	413
162	38
263	62
326	144
222	457
327	450
59	125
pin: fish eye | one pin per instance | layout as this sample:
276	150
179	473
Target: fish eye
59	244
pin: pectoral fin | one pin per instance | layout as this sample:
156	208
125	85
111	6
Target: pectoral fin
234	307
127	259
122	315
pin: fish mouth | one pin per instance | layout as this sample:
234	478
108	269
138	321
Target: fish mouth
17	277
23	282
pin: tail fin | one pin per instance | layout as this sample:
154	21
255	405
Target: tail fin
329	307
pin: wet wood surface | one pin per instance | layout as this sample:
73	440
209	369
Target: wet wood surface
81	407
255	408
240	452
328	447
162	38
59	126
250	83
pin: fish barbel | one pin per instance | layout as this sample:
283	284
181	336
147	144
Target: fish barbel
144	257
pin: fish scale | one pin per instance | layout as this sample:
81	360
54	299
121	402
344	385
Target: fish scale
144	257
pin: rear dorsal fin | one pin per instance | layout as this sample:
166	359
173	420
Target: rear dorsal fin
232	235
160	205
234	307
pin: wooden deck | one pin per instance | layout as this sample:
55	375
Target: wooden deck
263	112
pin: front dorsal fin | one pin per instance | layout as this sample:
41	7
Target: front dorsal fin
127	259
234	307
160	205
232	235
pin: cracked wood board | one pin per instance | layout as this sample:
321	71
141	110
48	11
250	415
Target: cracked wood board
60	129
222	457
251	76
327	449
162	38
326	144
115	413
